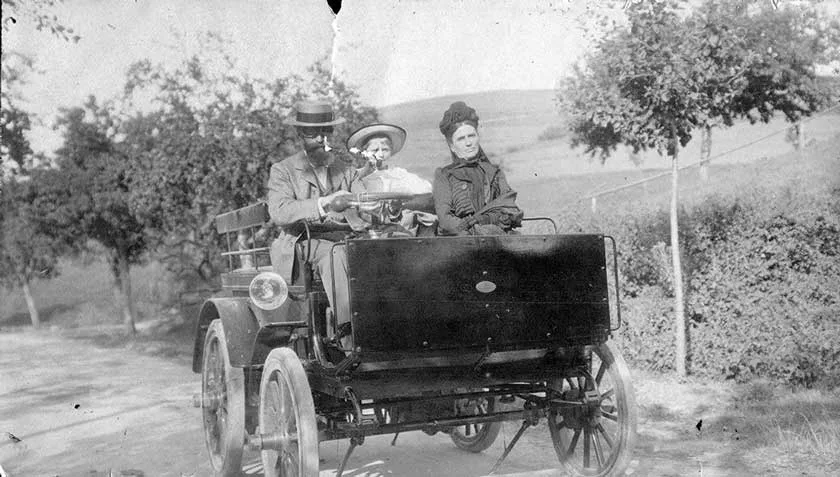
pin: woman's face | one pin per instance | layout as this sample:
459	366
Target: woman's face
464	142
380	147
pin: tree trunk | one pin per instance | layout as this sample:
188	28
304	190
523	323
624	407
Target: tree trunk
30	303
679	312
122	291
800	136
705	153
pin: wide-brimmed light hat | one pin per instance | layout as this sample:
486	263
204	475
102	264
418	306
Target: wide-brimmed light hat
360	136
313	114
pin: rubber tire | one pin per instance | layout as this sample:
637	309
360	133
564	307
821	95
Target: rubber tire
283	368
226	459
483	439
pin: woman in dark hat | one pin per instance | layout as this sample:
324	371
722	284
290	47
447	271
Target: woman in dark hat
472	195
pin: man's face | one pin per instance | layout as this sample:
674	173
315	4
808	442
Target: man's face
464	142
315	143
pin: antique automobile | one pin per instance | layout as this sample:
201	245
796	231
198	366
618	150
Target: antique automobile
450	334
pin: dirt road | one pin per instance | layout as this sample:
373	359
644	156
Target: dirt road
83	410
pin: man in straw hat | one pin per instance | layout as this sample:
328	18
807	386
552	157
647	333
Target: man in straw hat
304	187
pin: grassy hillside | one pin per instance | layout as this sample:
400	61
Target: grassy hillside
509	119
512	120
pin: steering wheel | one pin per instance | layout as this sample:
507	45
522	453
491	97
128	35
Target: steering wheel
413	201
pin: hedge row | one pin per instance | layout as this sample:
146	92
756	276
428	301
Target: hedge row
762	280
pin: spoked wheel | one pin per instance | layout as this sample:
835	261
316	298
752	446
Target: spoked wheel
287	427
475	437
593	416
222	404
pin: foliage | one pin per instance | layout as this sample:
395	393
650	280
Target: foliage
95	181
28	249
762	295
723	61
15	150
655	81
785	45
651	84
39	12
553	132
208	144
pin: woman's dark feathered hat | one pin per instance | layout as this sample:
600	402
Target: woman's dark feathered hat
457	114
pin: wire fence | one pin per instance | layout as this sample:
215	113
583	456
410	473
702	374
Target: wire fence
593	197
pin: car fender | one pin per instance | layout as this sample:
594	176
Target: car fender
239	322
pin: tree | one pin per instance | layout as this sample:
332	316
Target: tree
37	11
29	250
95	180
785	45
215	135
648	86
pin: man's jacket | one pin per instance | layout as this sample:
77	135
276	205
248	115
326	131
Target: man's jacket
293	192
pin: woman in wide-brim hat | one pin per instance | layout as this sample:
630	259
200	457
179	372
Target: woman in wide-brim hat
377	142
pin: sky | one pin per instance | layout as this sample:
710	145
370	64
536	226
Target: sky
391	52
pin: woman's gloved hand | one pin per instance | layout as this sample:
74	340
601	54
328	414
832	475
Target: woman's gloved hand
484	219
467	222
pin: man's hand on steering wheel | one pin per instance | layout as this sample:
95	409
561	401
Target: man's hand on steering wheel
336	202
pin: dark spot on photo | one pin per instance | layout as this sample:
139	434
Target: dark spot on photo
335	5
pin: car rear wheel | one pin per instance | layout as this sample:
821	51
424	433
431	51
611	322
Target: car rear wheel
475	437
593	415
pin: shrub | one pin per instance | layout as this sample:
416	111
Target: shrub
761	280
554	132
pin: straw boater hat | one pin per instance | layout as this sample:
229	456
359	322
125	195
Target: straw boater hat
360	136
313	114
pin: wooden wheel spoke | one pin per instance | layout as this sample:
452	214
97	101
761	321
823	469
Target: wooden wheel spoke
587	435
290	460
604	434
573	443
596	445
600	374
288	412
606	447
